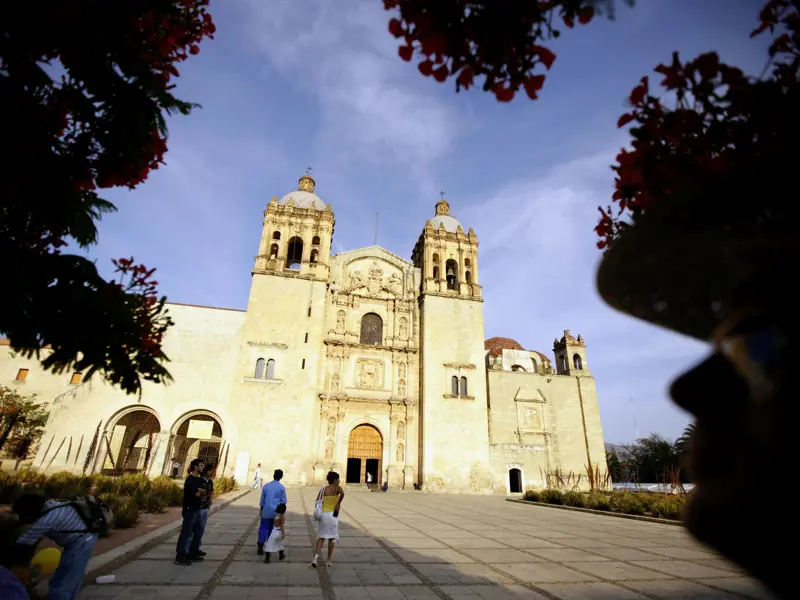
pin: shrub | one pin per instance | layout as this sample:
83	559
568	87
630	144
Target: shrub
667	508
223	485
129	484
176	496
628	504
126	512
551	496
574	499
9	491
598	501
531	496
156	501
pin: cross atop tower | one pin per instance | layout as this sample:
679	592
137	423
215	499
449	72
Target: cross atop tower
308	170
441	194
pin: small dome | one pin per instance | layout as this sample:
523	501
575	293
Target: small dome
303	199
496	345
451	224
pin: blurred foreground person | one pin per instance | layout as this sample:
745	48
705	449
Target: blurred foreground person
717	264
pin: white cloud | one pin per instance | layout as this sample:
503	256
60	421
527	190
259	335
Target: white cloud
372	109
537	266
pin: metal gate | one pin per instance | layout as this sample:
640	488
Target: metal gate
199	436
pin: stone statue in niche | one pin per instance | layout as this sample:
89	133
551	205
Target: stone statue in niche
401	388
403	328
370	374
401	370
340	321
395	284
337	364
401	430
329	450
331	427
335	384
401	453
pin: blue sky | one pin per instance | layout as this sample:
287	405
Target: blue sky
292	83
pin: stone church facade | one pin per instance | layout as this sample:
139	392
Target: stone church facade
361	362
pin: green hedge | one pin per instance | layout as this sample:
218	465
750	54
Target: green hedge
630	503
126	495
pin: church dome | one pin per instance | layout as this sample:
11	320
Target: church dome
443	217
496	345
451	224
304	196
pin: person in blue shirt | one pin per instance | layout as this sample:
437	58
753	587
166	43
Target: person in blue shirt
272	495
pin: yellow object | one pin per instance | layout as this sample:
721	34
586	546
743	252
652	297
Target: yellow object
47	560
329	503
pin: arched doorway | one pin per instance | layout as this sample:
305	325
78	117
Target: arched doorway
130	443
515	481
364	452
195	436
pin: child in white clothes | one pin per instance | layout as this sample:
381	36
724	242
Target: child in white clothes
275	541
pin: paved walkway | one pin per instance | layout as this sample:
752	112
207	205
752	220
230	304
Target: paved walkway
435	547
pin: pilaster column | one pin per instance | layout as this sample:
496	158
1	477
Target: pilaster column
159	460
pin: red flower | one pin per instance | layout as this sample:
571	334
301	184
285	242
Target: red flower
533	84
625	119
193	49
441	73
396	28
405	52
426	67
465	77
546	57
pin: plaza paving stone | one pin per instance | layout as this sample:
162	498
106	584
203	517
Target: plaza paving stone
415	546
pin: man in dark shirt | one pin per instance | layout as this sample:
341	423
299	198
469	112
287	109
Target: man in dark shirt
194	490
208	483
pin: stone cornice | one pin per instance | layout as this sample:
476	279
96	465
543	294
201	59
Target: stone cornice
451	296
459	365
259	344
406	349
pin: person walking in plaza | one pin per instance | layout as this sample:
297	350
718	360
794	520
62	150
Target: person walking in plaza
205	505
272	495
257	478
275	540
331	497
60	522
194	491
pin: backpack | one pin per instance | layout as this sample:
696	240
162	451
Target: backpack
95	513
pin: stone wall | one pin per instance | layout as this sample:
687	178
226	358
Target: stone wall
536	424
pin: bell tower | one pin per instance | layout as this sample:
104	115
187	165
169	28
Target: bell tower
297	234
453	405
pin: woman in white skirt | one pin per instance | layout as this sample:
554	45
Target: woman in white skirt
275	541
328	529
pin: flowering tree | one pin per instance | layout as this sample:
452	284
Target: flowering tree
85	86
722	121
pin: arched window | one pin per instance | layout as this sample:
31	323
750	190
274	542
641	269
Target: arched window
463	386
273	251
454	386
535	366
436	273
314	254
576	360
467	263
260	365
517	368
371	329
451	272
271	368
435	258
315	240
276	235
467	277
295	254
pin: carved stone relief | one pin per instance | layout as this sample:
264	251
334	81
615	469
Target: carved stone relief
401	388
335	383
331	427
401	370
401	430
340	317
370	374
531	419
395	284
401	453
329	450
375	282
